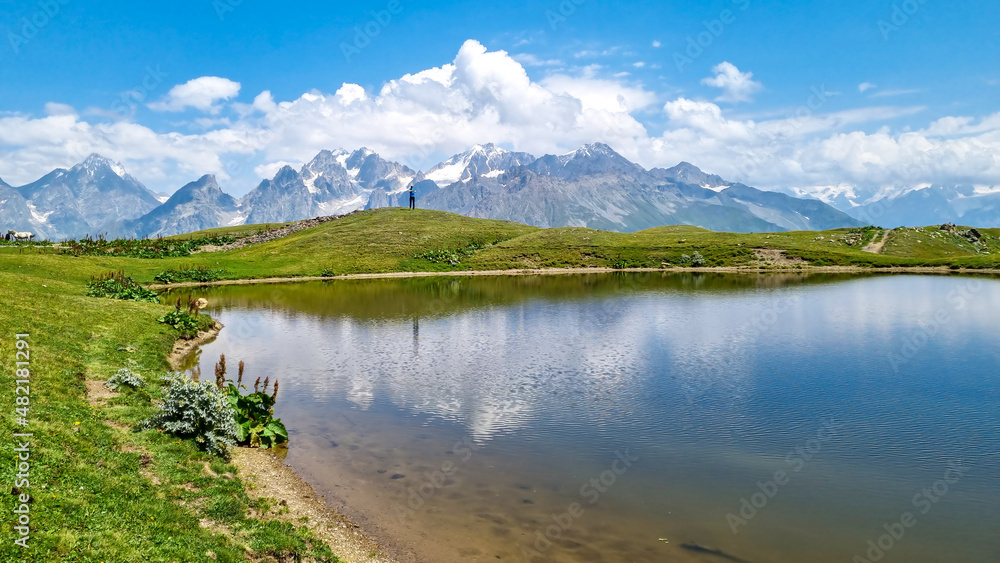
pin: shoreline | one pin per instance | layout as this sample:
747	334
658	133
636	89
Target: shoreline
940	270
265	474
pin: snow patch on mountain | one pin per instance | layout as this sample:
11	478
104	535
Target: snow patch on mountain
447	174
40	218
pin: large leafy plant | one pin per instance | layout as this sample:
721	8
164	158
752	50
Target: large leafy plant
188	323
117	285
195	410
255	423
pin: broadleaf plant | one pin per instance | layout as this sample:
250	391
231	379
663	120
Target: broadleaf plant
255	423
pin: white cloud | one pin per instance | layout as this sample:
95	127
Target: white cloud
269	169
600	95
736	86
893	93
200	93
639	64
657	44
53	108
481	96
527	59
865	86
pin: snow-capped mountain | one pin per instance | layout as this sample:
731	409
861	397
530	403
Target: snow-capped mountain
334	182
487	161
90	197
596	187
593	186
925	204
588	160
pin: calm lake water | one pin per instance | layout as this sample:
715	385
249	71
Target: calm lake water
627	418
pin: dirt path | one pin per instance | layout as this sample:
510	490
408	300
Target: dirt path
876	245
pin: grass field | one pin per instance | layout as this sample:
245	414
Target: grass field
102	493
399	240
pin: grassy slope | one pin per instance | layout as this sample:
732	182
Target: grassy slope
388	240
76	338
91	500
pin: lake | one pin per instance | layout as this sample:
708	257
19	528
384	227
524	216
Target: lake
640	417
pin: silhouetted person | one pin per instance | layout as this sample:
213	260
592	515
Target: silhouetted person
413	198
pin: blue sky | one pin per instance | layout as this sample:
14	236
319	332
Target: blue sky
83	76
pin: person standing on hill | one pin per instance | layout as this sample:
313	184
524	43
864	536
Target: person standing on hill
413	198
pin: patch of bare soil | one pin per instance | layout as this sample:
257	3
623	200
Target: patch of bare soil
98	394
771	257
877	244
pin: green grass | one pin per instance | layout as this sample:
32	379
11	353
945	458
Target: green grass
92	483
399	240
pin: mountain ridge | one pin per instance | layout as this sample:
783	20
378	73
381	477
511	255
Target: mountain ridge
592	186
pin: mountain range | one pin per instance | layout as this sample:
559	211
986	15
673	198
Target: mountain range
975	205
593	186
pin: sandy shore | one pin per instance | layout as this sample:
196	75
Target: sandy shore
940	270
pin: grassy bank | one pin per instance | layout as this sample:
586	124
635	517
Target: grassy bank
100	492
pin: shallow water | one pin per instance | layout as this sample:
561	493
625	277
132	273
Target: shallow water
465	418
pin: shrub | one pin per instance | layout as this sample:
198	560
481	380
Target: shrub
197	410
183	322
199	274
188	323
141	248
692	260
455	257
254	412
117	285
125	377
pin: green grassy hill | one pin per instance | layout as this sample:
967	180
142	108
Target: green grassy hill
399	240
